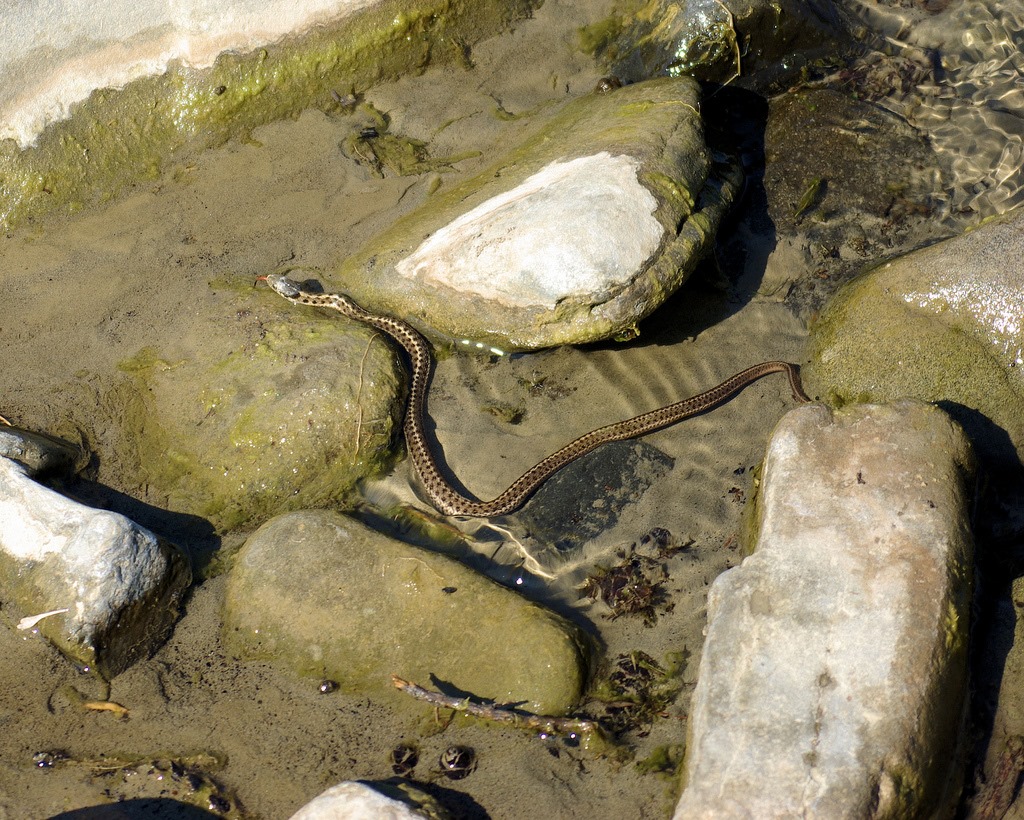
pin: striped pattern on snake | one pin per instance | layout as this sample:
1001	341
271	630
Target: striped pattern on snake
446	498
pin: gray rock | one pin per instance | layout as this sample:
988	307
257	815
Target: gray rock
111	587
360	800
328	597
833	677
574	235
942	324
38	453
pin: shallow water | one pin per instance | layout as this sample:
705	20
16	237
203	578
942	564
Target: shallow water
163	262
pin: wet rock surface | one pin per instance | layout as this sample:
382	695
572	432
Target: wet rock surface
326	596
574	235
835	665
38	454
942	324
711	40
307	407
111	587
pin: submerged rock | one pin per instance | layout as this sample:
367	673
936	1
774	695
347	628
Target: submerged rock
836	654
943	324
37	453
718	40
574	235
111	588
326	596
388	800
293	419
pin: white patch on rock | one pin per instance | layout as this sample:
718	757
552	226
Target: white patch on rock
996	308
575	228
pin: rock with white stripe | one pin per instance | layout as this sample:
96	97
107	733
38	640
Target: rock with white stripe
834	672
572	236
101	588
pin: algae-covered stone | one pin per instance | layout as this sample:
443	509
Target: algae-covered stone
154	92
574	235
326	596
295	419
834	672
716	40
108	588
943	324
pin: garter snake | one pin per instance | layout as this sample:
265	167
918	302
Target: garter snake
441	493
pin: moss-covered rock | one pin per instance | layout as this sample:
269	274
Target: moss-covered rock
574	235
943	324
709	39
292	420
328	597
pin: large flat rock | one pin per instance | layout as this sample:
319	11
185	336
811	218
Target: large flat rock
834	670
324	595
96	96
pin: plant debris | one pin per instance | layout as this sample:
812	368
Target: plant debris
638	689
635	586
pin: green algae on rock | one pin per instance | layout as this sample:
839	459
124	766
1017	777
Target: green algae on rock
327	597
574	235
942	324
294	420
707	39
120	136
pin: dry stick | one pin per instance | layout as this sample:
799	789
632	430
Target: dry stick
526	720
359	394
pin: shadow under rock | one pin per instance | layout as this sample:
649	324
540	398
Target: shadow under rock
999	552
735	122
194	535
157	808
991	442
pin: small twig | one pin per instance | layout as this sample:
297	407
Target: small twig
524	720
359	395
5	421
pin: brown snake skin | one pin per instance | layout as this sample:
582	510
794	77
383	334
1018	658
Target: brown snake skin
446	498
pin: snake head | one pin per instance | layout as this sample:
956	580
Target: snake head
288	288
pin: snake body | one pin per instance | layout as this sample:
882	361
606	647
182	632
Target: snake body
441	493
